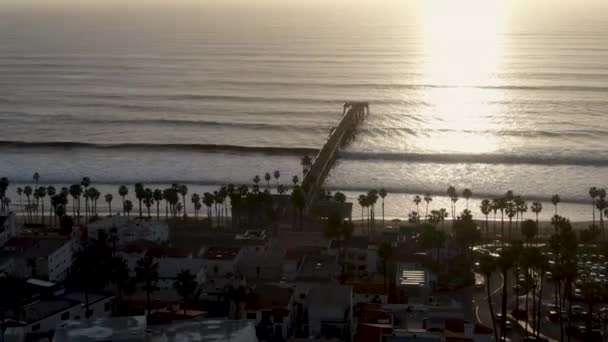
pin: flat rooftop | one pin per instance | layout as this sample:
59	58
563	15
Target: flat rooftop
34	247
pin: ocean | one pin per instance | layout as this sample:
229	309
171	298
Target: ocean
491	97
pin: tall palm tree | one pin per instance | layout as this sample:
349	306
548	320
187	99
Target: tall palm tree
555	200
593	194
537	208
485	210
158	197
128	206
108	199
27	191
20	194
51	191
428	199
417	201
123	191
148	200
504	262
385	253
140	193
208	202
185	284
76	191
487	266
382	192
443	214
85	182
466	194
147	273
195	198
295	180
510	210
276	175
451	192
529	229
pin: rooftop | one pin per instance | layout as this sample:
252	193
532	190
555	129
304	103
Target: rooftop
266	296
34	247
169	268
41	309
221	253
330	300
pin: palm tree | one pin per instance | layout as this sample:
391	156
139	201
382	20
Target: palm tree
51	191
123	191
298	200
510	210
256	180
148	200
140	194
487	266
295	180
109	199
382	192
467	193
363	203
428	199
504	262
385	253
195	198
277	175
208	202
267	178
451	192
20	193
86	181
593	194
555	200
185	284
485	210
128	206
147	272
537	208
158	197
27	191
75	191
417	201
443	214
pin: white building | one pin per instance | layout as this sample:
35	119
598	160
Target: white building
44	315
130	229
8	227
42	258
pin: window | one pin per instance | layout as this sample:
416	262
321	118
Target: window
36	327
65	316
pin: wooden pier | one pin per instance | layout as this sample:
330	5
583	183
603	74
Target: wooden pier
353	114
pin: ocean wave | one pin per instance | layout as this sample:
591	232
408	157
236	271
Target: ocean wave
299	151
457	158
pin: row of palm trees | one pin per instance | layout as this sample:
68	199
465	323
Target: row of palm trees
173	196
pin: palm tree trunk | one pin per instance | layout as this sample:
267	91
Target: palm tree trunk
526	308
503	322
491	307
158	211
538	310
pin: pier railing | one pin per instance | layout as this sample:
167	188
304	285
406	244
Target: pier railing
353	114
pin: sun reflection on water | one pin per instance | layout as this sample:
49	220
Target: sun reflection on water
463	49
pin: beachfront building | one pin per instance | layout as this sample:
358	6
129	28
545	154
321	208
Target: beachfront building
130	229
359	257
40	317
40	258
8	227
